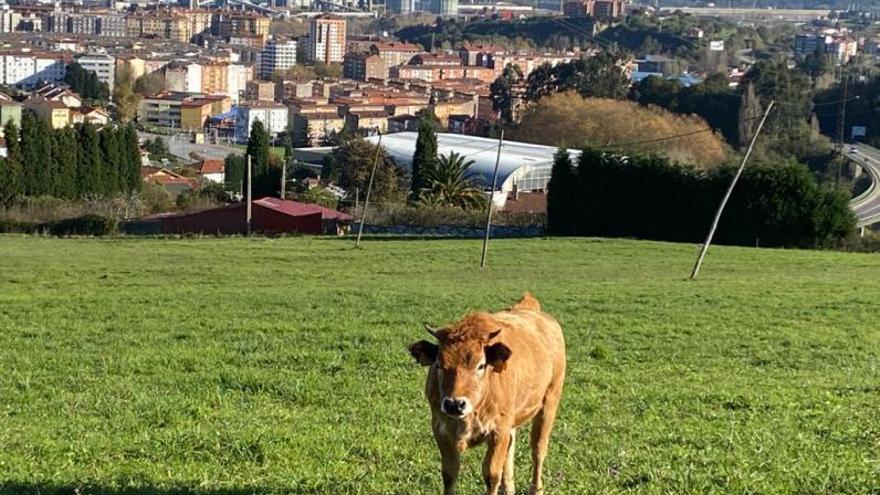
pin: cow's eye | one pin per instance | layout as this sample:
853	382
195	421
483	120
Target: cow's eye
481	367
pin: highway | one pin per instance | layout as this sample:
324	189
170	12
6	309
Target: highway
867	205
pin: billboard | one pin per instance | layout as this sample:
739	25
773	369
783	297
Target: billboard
716	46
859	131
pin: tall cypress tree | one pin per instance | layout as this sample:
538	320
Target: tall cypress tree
89	172
111	160
131	158
65	159
425	154
36	151
559	195
258	150
11	175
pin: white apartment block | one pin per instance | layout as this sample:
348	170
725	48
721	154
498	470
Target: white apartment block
101	64
27	68
272	115
237	76
9	19
326	40
186	78
277	55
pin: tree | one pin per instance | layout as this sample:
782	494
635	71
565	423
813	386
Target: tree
749	115
424	155
85	82
131	156
65	150
111	160
124	97
36	152
266	178
504	92
319	196
233	172
89	173
9	182
559	191
149	84
351	164
567	119
601	75
447	182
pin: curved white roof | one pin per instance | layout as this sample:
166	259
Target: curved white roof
518	160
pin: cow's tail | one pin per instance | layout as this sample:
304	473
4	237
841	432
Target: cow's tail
527	302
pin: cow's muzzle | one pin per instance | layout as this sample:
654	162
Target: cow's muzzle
456	407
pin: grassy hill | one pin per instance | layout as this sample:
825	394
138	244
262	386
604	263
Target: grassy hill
233	366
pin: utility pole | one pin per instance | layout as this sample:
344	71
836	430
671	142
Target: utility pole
489	207
249	195
283	177
357	243
739	171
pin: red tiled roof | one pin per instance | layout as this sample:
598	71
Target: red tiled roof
296	208
211	167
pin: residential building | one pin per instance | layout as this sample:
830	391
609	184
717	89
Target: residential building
26	68
9	19
55	112
274	117
194	112
311	127
91	115
183	77
326	39
277	56
599	9
367	122
260	91
364	66
163	109
401	6
238	76
58	92
215	78
213	170
394	54
104	66
229	23
444	7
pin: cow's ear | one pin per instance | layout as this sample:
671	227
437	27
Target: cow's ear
497	355
424	352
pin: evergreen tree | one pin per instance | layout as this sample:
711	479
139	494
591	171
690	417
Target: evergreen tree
258	150
503	92
65	159
36	152
559	203
9	182
130	154
89	173
233	169
425	155
749	114
111	161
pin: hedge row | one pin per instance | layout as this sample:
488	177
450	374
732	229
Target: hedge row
89	225
648	197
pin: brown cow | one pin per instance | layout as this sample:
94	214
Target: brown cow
491	373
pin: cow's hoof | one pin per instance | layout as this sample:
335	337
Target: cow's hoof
533	490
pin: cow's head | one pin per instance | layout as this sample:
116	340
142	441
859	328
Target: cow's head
465	355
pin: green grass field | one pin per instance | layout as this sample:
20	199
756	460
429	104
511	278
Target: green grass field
234	366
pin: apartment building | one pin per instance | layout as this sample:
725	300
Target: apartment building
278	55
326	39
364	66
91	24
195	112
395	53
26	68
274	117
104	66
230	24
215	78
183	77
9	19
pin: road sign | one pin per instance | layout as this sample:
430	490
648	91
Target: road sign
716	46
858	131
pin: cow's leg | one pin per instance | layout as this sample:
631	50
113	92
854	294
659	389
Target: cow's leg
507	478
450	462
541	427
495	460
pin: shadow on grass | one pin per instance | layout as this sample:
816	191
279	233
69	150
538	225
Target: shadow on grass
50	489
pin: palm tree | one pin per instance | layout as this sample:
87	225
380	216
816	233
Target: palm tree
446	182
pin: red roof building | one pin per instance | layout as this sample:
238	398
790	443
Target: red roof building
268	216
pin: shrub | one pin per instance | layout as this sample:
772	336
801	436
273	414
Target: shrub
433	216
94	225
